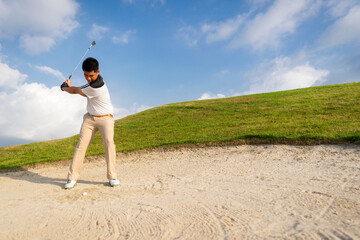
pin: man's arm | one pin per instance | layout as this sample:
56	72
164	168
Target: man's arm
71	89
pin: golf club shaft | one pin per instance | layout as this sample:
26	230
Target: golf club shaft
92	44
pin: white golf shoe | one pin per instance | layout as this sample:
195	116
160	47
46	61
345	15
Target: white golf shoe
114	182
70	184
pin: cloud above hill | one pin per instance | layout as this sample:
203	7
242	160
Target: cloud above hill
33	111
284	73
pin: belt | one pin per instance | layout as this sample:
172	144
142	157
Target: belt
108	115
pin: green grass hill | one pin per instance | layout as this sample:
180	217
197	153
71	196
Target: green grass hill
326	114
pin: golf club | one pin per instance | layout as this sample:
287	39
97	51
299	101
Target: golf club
92	44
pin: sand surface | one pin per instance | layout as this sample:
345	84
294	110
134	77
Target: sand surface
235	192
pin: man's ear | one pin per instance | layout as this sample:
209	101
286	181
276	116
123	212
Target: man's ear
98	72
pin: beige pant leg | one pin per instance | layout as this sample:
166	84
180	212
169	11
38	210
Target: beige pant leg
87	133
106	128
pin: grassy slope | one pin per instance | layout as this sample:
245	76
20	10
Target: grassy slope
317	114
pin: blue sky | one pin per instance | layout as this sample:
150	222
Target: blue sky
154	52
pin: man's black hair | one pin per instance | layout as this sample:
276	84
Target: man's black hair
90	64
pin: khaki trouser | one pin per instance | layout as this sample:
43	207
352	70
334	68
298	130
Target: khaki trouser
89	127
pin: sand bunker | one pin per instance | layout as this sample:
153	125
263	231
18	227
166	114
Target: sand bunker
237	192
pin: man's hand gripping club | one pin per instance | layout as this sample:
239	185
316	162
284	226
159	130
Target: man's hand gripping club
65	84
69	88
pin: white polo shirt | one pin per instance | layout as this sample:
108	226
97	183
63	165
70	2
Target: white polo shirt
98	98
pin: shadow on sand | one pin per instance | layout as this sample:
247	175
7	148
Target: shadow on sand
24	174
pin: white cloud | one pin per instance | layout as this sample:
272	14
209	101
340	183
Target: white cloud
153	2
97	32
223	30
51	71
282	18
140	108
264	30
344	30
123	112
128	1
190	35
38	23
224	72
209	95
36	44
10	77
125	37
258	2
340	8
285	74
35	111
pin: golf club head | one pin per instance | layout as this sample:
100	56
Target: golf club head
92	44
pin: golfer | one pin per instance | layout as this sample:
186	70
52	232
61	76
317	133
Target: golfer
99	116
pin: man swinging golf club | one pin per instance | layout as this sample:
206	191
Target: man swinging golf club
99	116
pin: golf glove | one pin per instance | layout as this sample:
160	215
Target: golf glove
64	85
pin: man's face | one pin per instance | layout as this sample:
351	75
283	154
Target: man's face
91	76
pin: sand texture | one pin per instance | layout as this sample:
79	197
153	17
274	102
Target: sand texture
234	192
